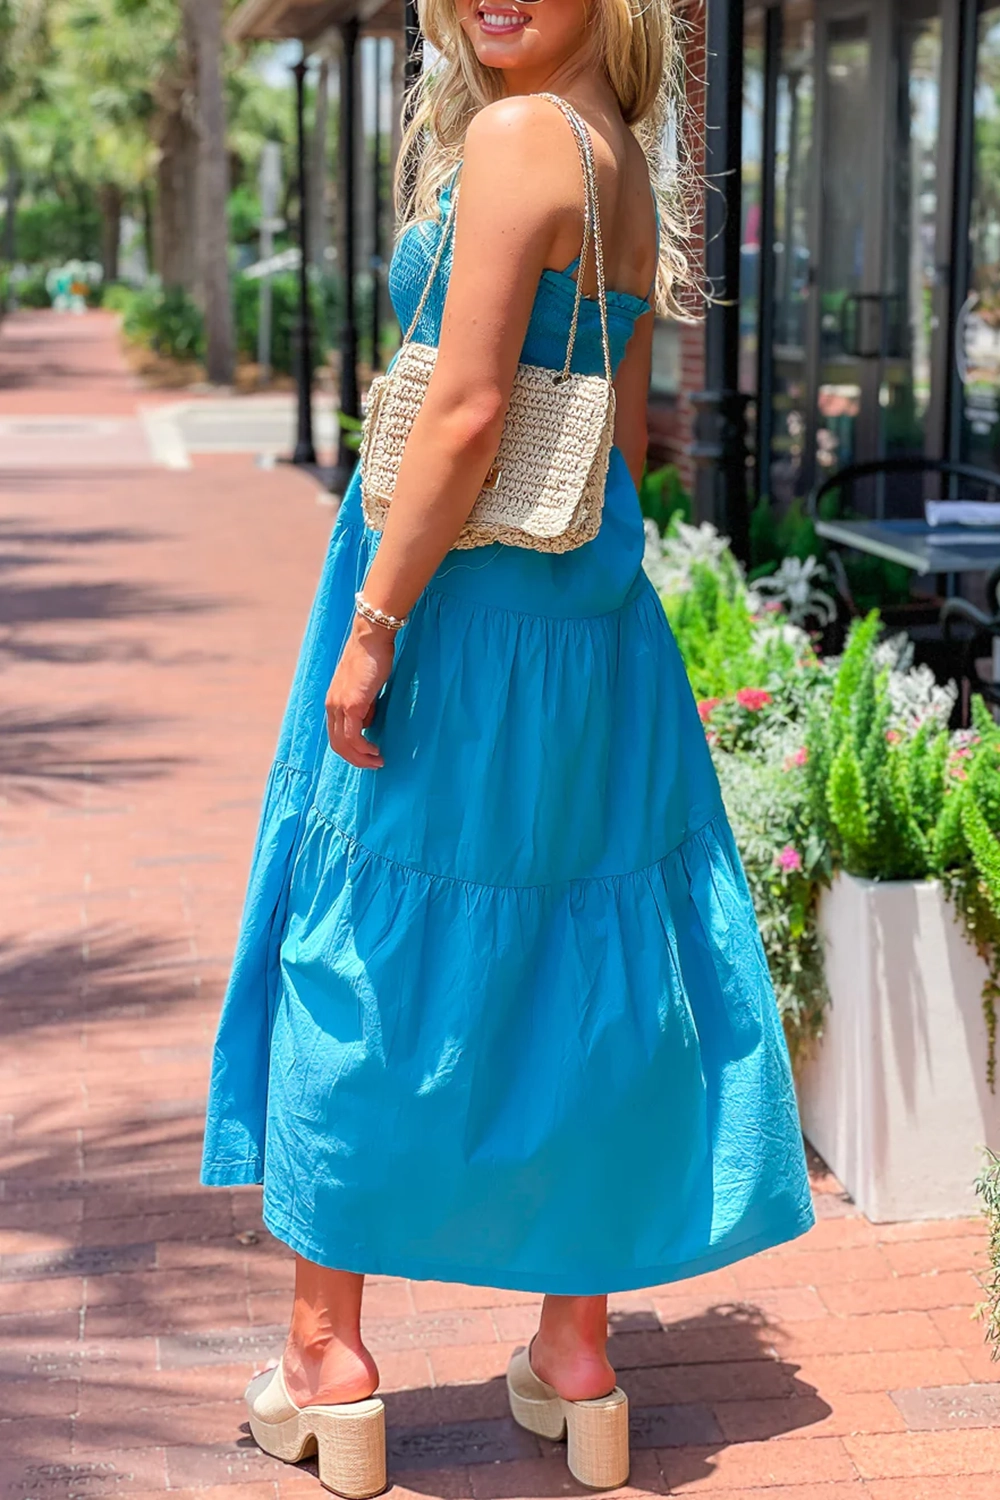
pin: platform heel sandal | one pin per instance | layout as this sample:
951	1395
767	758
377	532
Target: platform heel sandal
596	1431
349	1440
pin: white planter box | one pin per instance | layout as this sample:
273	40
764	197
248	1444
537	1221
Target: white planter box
895	1098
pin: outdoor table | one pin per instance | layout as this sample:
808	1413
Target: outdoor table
943	550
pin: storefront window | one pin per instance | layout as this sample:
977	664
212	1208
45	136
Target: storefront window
910	272
793	176
979	331
750	246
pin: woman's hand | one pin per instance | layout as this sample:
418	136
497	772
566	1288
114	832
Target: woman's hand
362	672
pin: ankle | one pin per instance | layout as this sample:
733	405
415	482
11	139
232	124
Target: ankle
325	1370
577	1369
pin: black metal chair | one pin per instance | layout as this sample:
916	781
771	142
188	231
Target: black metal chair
943	638
850	474
974	630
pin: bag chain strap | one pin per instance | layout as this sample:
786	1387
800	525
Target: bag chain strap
591	231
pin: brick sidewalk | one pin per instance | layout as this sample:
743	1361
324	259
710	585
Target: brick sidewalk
149	621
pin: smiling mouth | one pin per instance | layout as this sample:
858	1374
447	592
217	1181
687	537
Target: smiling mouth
497	22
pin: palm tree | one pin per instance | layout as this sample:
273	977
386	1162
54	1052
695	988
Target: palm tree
203	28
23	46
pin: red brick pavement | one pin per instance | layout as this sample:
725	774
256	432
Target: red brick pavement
148	626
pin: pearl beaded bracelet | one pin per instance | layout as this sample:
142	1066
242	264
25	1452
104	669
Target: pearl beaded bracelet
377	616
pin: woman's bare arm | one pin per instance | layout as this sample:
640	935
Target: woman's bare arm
520	205
519	182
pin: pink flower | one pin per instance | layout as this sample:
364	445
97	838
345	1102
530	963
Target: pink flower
706	706
772	607
798	757
893	736
789	858
753	698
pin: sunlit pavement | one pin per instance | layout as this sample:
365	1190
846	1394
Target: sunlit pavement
149	622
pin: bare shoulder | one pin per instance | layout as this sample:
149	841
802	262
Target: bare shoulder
521	123
521	152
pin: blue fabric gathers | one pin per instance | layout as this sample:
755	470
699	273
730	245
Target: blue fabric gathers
499	1012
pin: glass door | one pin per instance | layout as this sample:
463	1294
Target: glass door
845	271
911	206
878	72
977	350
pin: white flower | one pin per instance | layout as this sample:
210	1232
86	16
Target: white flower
653	560
914	693
916	697
793	586
669	560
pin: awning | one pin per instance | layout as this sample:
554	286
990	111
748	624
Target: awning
305	20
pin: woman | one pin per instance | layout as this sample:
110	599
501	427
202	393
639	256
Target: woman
499	1007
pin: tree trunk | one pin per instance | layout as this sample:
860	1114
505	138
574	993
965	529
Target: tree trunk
176	215
318	173
148	229
204	21
110	200
8	248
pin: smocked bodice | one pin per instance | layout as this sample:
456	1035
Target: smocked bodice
548	328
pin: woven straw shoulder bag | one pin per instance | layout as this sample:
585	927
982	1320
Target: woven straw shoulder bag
545	487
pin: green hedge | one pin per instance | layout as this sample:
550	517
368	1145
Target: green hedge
284	319
166	321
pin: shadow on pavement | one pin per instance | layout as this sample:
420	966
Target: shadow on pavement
53	758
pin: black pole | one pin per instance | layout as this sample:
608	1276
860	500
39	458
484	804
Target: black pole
411	44
305	450
719	448
766	277
376	310
412	63
960	255
349	404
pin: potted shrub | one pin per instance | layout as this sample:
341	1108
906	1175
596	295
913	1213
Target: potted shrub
869	835
899	1094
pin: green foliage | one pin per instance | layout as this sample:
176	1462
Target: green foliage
351	428
31	291
90	93
117	297
168	322
662	496
244	215
755	676
786	866
284	320
774	537
55	227
714	632
988	1188
724	646
823	766
910	800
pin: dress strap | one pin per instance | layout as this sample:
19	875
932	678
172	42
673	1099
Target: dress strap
591	237
451	188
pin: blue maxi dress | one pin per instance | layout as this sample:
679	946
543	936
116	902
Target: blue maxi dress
499	1012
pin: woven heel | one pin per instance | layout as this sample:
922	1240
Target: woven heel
597	1450
349	1439
597	1431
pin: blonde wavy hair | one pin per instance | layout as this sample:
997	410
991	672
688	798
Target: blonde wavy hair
641	44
